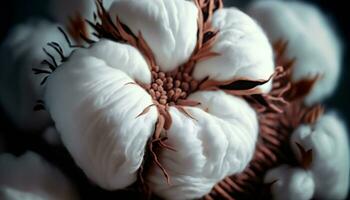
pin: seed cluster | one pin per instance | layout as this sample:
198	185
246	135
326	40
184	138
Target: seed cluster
168	88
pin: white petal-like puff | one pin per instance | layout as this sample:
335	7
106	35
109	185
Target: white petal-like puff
290	183
120	56
311	40
29	177
95	108
245	52
330	147
20	87
209	147
168	26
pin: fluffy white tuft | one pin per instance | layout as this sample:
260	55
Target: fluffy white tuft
122	57
168	26
20	87
290	183
209	147
245	52
95	108
311	40
330	148
29	177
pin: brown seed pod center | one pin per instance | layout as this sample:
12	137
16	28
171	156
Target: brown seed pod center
167	88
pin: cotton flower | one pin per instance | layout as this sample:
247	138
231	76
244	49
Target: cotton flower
29	177
311	41
290	183
20	88
330	149
149	83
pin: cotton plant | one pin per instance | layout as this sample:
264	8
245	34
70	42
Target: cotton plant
157	98
328	139
22	51
312	42
186	98
30	177
327	174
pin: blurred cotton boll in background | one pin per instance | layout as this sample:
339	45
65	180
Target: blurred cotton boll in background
20	87
311	41
288	183
328	140
324	175
30	177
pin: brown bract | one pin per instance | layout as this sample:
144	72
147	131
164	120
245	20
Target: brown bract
77	28
280	113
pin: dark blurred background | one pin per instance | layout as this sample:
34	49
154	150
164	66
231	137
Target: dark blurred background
17	11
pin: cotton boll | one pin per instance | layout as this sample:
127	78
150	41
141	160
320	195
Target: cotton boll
95	108
29	177
245	52
168	26
290	183
311	40
20	87
209	147
330	149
